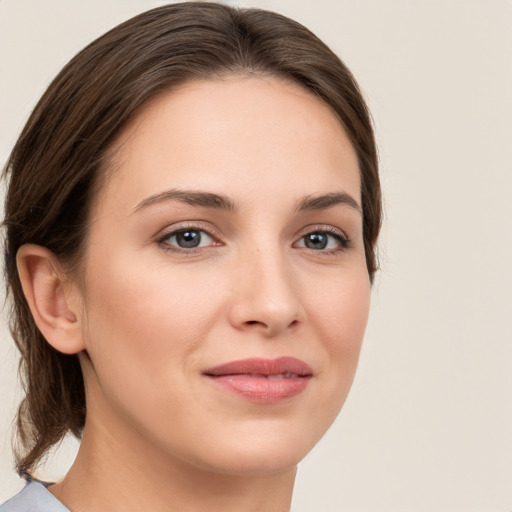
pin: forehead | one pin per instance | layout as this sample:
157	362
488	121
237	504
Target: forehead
230	135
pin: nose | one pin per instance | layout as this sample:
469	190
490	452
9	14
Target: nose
265	296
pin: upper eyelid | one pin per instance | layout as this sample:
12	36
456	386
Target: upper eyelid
327	228
329	232
206	226
196	225
216	235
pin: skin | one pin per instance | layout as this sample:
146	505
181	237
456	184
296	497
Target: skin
148	317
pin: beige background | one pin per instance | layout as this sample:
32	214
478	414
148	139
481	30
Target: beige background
428	424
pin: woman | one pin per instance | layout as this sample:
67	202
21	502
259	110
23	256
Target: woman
191	222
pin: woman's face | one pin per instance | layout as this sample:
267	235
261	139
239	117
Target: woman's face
225	292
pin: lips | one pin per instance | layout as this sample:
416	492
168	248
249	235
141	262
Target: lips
263	380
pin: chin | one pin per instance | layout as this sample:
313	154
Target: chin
260	454
252	464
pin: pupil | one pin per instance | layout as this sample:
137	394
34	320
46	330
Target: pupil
316	241
188	239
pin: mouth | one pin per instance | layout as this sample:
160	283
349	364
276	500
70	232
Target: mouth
267	381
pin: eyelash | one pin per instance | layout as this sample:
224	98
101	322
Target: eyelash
342	240
163	240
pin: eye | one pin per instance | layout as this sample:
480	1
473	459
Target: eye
323	240
187	238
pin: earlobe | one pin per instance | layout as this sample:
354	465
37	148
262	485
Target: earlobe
46	295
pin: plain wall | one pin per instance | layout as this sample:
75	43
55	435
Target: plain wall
428	423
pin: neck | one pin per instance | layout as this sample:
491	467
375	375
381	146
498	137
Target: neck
106	476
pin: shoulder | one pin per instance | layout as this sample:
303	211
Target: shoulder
35	497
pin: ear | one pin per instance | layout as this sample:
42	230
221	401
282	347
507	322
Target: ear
51	298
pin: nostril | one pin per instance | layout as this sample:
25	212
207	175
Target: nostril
256	322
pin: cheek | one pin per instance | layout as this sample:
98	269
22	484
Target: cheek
346	316
146	318
340	319
340	307
146	326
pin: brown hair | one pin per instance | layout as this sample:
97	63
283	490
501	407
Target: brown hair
55	163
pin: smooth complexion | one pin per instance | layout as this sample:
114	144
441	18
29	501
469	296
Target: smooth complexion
229	229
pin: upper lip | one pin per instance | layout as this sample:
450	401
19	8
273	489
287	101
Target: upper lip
262	366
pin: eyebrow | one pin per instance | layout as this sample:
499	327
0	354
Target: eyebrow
221	202
191	197
322	202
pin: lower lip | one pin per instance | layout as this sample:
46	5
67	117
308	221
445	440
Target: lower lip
262	389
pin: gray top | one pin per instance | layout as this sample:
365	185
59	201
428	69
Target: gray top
35	497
